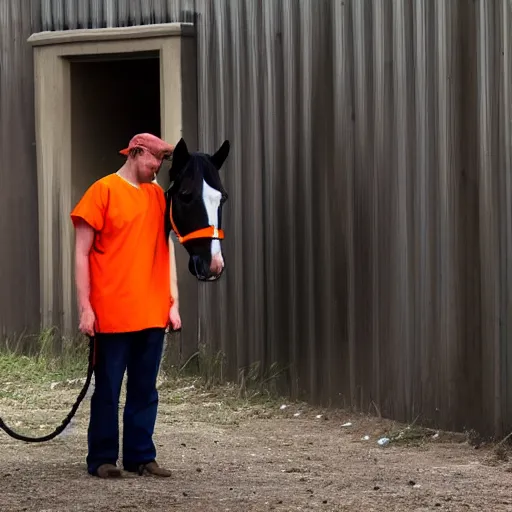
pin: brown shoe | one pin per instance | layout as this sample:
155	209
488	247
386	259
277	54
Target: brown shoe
108	471
154	469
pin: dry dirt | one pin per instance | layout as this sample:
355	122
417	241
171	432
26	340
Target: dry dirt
232	455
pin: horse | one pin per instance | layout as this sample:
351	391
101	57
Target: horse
194	202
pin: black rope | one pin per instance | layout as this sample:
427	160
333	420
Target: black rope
69	417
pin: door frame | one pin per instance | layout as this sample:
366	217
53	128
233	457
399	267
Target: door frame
176	46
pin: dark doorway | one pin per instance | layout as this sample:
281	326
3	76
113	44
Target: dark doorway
112	98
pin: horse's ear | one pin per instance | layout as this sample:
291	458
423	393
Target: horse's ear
180	157
220	156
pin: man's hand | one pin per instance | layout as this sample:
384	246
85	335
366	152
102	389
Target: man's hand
174	318
87	321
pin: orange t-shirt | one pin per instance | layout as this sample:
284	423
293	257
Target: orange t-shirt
129	259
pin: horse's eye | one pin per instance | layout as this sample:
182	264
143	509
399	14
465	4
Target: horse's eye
186	195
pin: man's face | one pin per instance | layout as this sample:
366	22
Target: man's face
148	166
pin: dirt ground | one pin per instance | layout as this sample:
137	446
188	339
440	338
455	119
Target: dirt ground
231	455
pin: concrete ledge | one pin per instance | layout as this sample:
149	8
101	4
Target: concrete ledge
111	34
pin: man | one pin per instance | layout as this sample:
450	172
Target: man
125	300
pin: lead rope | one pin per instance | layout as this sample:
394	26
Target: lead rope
69	417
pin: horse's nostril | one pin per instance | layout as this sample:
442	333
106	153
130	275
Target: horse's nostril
199	267
193	267
217	264
206	269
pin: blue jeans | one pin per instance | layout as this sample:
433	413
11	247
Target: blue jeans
139	353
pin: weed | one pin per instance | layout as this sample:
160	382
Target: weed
411	434
501	452
255	381
205	365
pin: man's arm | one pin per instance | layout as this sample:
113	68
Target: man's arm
83	243
174	275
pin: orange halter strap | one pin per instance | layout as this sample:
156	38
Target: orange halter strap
208	232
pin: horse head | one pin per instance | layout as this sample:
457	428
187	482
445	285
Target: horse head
194	203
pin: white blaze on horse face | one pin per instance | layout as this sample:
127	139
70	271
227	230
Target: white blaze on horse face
211	200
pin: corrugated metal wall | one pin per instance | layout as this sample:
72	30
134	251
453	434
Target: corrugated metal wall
368	227
19	266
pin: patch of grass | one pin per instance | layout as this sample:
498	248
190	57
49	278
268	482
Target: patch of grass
210	366
202	379
204	364
47	357
256	381
206	369
502	449
35	361
411	435
501	452
219	405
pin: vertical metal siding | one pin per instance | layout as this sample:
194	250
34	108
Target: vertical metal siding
504	37
19	269
370	204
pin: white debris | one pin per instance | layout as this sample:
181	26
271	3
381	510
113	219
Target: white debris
212	404
68	383
297	414
80	380
383	441
365	438
348	424
283	407
435	436
318	416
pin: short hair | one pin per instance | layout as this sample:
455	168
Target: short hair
134	152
